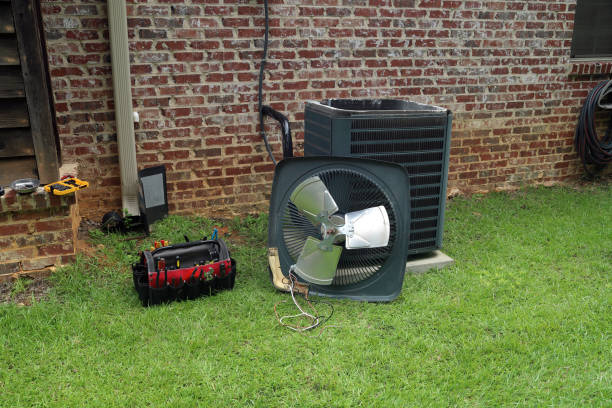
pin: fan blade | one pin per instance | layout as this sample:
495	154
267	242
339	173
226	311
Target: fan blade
318	265
367	228
313	200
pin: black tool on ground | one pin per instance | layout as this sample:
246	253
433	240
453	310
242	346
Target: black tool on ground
112	221
197	268
594	152
152	203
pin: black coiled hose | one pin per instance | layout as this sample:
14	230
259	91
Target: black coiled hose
594	152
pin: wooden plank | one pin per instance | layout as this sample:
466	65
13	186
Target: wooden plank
13	169
13	113
16	143
8	51
11	82
6	19
28	24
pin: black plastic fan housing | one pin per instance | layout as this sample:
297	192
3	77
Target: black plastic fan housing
364	273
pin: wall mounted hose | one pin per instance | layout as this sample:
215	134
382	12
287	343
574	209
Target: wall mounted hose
594	152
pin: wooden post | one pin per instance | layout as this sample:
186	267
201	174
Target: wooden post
33	64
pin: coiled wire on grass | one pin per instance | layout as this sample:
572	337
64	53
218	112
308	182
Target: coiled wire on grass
594	152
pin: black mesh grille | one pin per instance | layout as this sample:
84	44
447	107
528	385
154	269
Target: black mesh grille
351	191
417	236
427	191
418	225
592	30
422	169
422	180
397	134
425	213
418	145
422	245
397	147
424	202
410	122
407	158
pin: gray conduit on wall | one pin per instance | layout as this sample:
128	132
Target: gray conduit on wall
124	116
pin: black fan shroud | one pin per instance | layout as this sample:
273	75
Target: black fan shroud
371	274
352	191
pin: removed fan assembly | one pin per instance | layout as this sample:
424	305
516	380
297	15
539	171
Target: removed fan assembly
318	259
341	226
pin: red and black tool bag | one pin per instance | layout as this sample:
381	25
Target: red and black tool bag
183	271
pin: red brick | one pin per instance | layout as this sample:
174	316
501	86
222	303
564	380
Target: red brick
175	154
13	229
9	267
235	22
234	171
224	181
238	150
56	249
189	56
205	45
187	79
185	122
218	33
53	225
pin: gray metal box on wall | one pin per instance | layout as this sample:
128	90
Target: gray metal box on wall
415	135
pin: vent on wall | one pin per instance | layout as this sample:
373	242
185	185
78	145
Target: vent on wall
414	135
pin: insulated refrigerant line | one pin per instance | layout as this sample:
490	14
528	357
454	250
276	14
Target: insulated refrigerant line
262	67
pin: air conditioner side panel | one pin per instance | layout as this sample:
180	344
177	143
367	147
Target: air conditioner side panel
317	133
443	193
341	137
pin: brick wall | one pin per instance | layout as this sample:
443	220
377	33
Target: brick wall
36	231
502	67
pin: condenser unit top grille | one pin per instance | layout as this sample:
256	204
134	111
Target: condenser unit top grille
351	107
388	123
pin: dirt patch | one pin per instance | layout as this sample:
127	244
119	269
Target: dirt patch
233	237
23	290
84	227
584	183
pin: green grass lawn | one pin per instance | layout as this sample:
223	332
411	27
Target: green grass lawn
523	318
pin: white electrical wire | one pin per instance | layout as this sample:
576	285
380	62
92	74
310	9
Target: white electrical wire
315	320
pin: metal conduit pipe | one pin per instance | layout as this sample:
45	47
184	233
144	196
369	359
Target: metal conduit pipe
124	116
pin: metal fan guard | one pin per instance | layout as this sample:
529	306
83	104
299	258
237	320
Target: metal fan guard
352	191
